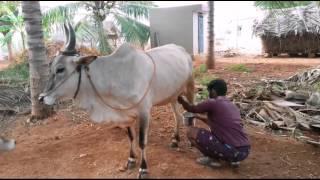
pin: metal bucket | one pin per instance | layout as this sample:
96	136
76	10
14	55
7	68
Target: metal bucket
188	119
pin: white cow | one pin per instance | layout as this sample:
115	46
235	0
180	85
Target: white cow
124	86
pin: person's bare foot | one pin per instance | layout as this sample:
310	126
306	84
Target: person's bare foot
7	144
207	161
235	164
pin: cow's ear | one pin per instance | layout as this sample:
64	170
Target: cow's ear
85	60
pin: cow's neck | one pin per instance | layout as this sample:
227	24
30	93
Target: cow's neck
88	99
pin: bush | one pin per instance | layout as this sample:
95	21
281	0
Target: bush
316	86
15	73
204	81
200	70
239	68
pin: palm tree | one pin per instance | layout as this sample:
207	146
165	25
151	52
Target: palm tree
54	18
14	23
280	4
39	69
8	12
125	13
210	57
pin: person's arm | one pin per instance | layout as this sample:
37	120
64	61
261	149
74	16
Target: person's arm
202	118
202	107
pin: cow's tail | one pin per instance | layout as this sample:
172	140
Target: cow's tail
190	88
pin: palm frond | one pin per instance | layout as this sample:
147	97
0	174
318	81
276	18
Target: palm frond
5	28
136	9
103	44
6	39
133	31
86	31
280	4
8	6
55	17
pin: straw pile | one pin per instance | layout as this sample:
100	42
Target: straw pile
292	30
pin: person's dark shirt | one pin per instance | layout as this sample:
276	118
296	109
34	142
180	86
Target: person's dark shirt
224	120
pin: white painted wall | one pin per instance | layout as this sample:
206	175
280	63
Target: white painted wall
228	16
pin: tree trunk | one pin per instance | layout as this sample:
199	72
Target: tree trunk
10	53
210	57
23	42
39	69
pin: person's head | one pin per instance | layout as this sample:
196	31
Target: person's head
217	87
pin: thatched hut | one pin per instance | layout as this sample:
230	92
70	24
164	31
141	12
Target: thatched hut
293	31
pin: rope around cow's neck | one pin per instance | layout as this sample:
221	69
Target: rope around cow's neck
134	105
77	69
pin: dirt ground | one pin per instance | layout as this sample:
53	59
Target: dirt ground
67	145
3	64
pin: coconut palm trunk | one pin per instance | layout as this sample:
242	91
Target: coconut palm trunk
10	52
210	57
39	69
23	41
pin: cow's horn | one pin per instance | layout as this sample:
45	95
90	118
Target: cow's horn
66	31
72	39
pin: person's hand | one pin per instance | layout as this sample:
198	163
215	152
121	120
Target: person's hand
180	99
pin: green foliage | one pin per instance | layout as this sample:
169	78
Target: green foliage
202	95
132	30
203	78
239	68
136	9
316	86
125	13
54	18
10	22
5	39
199	71
204	81
16	72
6	6
280	4
203	68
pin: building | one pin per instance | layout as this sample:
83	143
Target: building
184	26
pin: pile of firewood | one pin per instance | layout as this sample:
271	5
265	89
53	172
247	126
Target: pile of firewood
289	104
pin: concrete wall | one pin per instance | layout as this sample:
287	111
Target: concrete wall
177	25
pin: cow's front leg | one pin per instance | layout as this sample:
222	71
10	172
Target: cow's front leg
143	135
132	156
178	118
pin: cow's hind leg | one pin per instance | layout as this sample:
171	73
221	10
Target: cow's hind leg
132	156
178	119
143	135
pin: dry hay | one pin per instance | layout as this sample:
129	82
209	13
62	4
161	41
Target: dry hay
55	47
88	51
14	99
292	30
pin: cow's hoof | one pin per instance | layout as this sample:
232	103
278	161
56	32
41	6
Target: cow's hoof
190	145
143	174
174	145
131	164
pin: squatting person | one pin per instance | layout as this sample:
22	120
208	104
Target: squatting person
225	139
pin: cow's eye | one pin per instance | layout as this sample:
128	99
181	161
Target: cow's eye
60	70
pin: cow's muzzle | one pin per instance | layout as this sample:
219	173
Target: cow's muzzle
41	97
